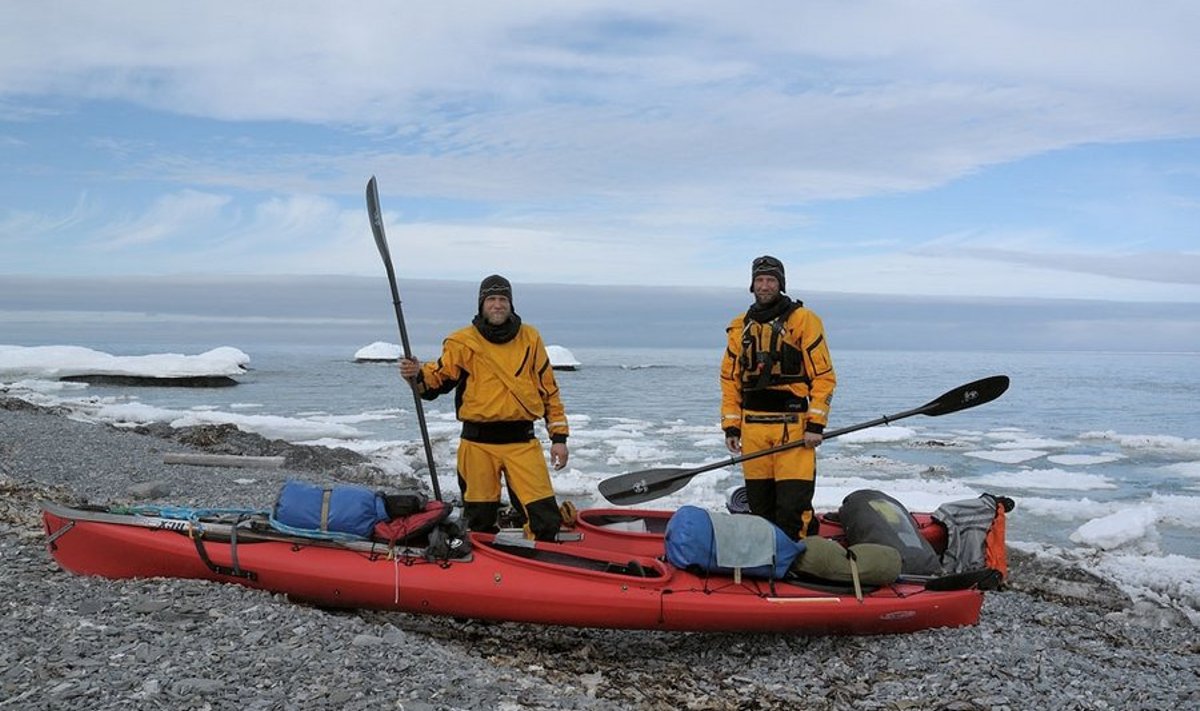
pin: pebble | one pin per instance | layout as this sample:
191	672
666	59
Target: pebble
92	643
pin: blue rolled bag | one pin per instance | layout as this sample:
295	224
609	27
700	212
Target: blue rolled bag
729	544
328	511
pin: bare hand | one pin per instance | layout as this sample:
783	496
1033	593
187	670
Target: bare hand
409	367
558	455
813	439
734	444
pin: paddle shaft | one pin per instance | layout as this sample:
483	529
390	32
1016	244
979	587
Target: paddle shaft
376	217
886	419
637	487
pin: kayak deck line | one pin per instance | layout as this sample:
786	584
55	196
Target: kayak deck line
223	532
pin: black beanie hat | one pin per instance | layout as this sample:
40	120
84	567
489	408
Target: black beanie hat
494	285
768	265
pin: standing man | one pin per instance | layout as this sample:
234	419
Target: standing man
777	382
503	382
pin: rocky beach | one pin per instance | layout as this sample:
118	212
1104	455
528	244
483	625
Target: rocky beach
1057	637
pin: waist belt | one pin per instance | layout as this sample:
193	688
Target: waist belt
773	401
780	418
506	432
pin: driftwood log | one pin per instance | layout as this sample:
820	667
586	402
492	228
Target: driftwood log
223	460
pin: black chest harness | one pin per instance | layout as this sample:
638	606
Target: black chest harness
767	359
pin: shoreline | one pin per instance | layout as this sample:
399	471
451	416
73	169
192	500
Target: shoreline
1056	638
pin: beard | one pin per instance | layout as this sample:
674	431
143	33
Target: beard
497	318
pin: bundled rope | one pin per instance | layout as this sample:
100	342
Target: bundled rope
195	516
737	501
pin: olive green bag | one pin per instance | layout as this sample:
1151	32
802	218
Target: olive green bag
861	564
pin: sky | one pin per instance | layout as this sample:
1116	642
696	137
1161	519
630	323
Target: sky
950	149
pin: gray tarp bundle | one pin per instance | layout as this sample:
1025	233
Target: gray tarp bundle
967	523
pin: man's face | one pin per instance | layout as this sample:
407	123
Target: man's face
496	309
766	288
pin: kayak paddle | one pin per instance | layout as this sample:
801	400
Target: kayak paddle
639	487
376	216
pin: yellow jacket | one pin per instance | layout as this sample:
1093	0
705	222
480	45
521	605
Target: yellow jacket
498	382
780	366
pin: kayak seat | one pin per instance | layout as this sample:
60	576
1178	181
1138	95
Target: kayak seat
632	568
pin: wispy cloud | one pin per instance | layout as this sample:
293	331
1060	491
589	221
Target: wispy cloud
171	216
591	143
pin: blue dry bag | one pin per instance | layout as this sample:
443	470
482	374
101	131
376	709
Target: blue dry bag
343	509
723	543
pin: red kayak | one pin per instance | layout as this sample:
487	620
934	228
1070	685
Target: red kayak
602	577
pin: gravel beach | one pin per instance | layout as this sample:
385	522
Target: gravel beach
1057	638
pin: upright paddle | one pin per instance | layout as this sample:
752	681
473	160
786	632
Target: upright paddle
639	487
376	216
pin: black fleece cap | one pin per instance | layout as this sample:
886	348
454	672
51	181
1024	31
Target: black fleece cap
494	285
768	265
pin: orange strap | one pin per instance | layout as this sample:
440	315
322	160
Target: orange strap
995	554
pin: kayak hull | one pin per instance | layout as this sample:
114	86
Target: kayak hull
591	582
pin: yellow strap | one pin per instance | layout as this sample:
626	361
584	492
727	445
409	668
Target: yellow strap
858	593
325	496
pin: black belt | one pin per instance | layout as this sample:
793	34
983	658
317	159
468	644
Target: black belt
505	432
773	401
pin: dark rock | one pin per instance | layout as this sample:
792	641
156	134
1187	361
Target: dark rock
1057	580
149	490
191	381
226	438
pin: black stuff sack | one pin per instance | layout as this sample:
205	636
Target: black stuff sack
406	527
447	541
870	516
404	503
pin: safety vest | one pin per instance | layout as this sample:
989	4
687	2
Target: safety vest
767	359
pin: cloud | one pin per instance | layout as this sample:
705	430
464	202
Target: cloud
171	216
204	233
981	273
593	143
19	229
1173	268
378	64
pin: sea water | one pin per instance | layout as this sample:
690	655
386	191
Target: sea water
1077	437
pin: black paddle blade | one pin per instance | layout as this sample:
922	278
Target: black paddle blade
640	487
966	396
376	216
982	579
